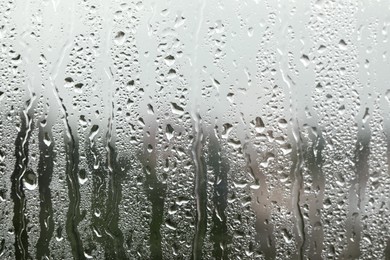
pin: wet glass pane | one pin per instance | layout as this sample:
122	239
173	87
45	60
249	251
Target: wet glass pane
169	129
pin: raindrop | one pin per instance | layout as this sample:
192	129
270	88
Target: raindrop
342	45
305	60
47	139
169	60
176	109
30	180
169	132
120	38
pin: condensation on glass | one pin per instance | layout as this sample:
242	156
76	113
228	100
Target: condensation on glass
216	129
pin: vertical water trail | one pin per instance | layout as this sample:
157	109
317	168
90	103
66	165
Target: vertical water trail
315	162
200	191
155	190
219	230
73	216
387	134
264	231
106	196
297	158
45	172
98	196
363	148
196	150
17	190
357	190
296	171
115	238
21	153
114	192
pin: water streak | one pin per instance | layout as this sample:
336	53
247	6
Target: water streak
18	196
219	231
200	191
45	172
73	217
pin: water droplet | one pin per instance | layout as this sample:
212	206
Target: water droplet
47	139
94	132
30	180
169	60
119	38
260	128
82	176
169	132
342	45
176	109
305	60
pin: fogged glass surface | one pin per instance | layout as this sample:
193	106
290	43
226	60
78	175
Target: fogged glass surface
169	129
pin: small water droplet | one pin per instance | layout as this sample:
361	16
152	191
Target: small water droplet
30	180
169	60
305	60
342	45
119	38
47	139
169	132
176	109
94	131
